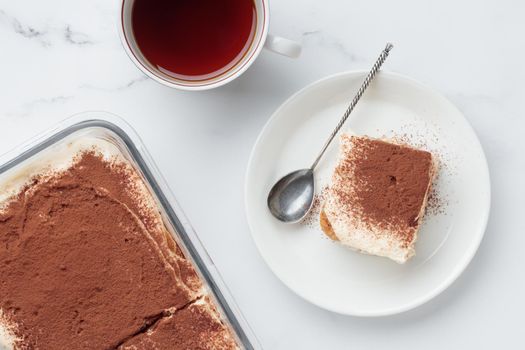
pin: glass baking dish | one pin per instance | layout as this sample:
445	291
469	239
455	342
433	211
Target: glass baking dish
109	127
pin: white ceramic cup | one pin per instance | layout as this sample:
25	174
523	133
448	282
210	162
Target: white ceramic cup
261	39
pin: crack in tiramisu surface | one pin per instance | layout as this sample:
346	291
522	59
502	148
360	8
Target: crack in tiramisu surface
198	320
152	321
148	325
86	263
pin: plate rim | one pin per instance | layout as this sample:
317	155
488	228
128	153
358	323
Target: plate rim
460	266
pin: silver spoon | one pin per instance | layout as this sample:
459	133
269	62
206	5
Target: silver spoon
291	198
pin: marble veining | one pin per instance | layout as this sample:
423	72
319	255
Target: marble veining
24	30
45	36
119	87
29	107
317	38
76	38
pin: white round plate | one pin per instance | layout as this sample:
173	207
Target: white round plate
335	277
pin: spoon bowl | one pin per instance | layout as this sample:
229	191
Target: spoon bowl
291	198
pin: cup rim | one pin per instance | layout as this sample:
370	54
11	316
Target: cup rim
205	84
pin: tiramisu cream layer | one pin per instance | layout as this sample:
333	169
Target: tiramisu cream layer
87	263
377	196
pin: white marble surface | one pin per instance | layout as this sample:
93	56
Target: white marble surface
61	57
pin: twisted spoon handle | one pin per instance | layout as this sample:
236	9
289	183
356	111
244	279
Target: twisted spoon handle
375	68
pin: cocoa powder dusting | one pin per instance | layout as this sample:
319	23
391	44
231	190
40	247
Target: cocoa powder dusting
312	218
436	203
384	185
85	263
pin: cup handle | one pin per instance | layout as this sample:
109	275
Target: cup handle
283	46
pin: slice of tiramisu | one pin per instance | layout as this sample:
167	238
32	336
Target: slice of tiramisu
377	196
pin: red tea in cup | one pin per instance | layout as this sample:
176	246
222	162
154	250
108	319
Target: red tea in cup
193	39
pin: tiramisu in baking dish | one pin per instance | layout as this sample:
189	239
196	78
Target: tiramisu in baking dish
377	196
87	262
